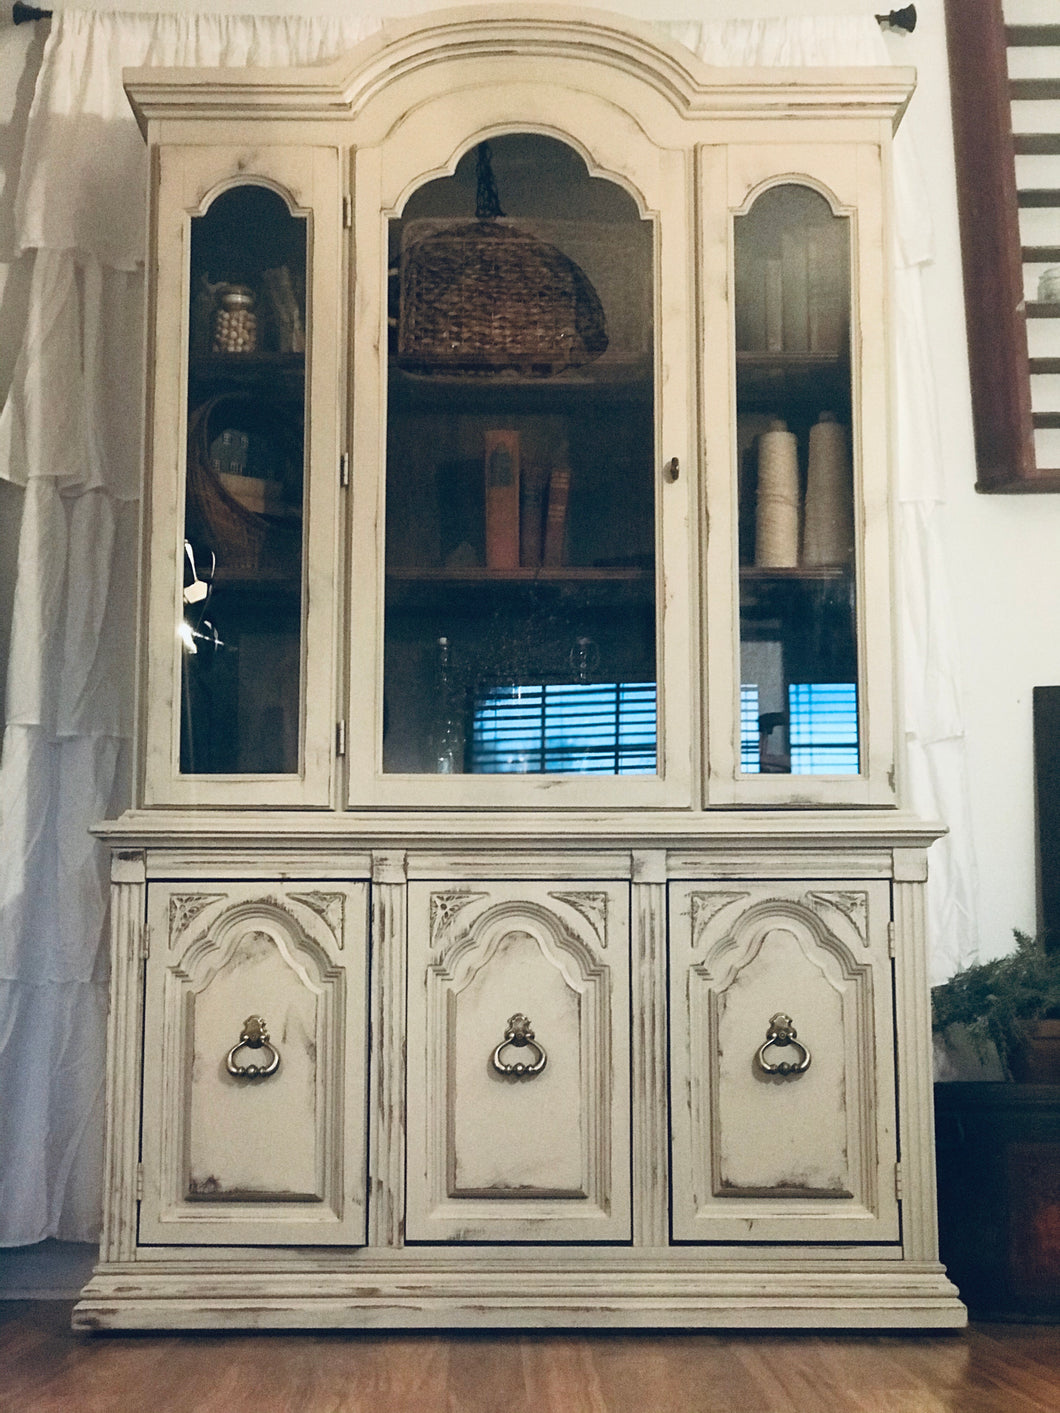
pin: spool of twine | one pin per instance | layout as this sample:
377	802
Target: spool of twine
777	505
828	529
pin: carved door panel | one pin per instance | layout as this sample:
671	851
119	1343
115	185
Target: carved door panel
782	1097
250	1136
514	1136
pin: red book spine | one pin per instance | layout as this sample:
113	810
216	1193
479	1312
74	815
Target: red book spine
502	499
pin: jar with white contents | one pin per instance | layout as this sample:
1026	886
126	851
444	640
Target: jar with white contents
235	325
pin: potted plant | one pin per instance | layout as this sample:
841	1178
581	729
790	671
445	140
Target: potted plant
1013	1003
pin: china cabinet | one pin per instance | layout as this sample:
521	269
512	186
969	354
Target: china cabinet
518	923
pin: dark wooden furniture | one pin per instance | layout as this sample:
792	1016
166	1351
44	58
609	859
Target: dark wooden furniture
998	1157
993	258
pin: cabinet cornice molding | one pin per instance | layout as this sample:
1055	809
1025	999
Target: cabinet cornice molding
508	832
515	35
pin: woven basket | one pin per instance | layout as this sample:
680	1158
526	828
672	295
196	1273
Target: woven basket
487	297
243	540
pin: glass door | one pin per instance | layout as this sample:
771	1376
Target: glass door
798	589
241	632
243	450
798	622
521	610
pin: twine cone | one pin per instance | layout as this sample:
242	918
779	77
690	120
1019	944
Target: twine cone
828	530
777	507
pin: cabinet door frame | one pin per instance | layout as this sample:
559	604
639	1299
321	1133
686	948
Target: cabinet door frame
579	934
717	930
185	182
505	94
320	929
853	177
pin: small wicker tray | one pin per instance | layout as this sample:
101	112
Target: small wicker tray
244	540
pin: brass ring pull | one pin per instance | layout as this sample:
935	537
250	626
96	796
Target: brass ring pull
254	1036
780	1034
519	1034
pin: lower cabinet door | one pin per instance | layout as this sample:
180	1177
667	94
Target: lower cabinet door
255	1042
518	1062
783	1095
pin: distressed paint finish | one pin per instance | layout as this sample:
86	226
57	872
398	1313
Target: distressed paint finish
553	1200
648	957
496	1156
793	1156
914	1056
128	908
188	178
275	1159
386	1207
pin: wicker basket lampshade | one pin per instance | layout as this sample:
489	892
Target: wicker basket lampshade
487	296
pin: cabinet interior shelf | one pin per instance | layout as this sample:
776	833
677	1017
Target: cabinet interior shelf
252	370
479	574
601	587
622	375
806	574
765	380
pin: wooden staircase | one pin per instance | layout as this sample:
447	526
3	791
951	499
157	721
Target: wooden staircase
1006	329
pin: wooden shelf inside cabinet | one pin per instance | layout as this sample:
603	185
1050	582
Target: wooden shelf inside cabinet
799	574
784	594
619	377
768	382
282	372
416	587
262	588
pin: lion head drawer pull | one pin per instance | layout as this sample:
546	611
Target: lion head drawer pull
782	1033
254	1036
519	1035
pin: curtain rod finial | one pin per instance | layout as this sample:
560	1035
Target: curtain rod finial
25	14
904	20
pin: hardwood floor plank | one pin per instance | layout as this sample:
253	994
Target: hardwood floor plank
987	1369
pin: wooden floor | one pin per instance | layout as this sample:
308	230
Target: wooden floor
44	1368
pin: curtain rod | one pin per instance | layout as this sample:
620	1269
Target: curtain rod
897	19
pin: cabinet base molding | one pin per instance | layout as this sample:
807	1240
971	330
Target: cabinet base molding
382	1297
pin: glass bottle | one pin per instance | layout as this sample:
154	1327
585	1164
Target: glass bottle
448	735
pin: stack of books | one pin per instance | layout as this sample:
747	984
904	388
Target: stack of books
526	510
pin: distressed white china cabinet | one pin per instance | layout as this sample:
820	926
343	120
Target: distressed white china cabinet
519	923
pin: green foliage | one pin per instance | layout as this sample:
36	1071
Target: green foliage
992	998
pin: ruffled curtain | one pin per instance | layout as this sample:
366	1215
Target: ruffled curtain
70	437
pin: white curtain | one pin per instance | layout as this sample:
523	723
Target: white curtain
70	437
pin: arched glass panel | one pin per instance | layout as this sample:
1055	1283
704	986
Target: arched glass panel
241	632
798	621
520	532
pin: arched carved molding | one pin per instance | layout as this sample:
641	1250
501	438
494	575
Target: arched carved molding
245	178
213	949
489	128
837	207
475	947
743	941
